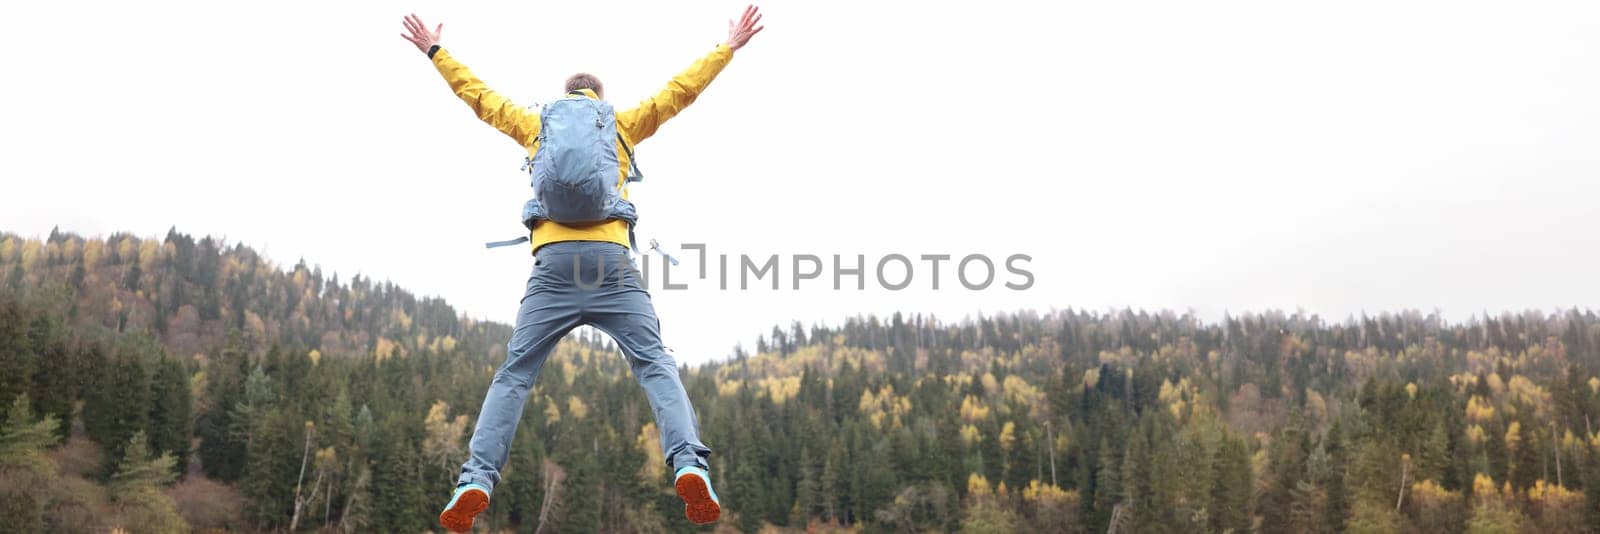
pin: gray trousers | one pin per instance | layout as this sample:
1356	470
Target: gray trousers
576	283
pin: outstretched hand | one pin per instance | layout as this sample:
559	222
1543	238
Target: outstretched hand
740	33
420	35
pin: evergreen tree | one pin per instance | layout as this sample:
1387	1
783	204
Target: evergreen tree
139	471
1288	456
399	502
272	467
136	488
23	464
170	411
118	406
23	440
1230	494
807	491
54	385
17	361
1338	504
222	445
832	482
1108	484
1137	487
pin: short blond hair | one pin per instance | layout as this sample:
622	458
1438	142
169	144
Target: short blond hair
584	80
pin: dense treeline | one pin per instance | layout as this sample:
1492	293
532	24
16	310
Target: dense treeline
168	385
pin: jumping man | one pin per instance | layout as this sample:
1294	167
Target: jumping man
581	234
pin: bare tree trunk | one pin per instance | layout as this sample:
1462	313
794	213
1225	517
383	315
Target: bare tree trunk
327	503
352	499
316	487
1405	471
1117	517
304	456
553	477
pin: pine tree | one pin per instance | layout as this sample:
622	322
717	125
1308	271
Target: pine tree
53	385
1138	492
1108	484
260	397
272	463
1433	461
521	490
831	482
118	405
222	447
139	471
875	481
399	502
17	361
807	491
746	484
169	411
338	420
1338	507
1288	454
24	466
575	453
23	440
1494	448
1525	468
136	487
1230	494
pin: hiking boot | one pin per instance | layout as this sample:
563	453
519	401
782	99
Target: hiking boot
465	504
700	502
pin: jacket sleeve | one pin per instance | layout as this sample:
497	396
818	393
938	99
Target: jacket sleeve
520	123
641	122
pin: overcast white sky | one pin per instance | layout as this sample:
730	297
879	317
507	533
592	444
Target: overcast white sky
1336	157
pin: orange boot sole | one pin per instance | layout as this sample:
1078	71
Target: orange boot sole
698	505
458	518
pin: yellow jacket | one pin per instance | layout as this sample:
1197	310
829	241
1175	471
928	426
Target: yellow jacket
635	125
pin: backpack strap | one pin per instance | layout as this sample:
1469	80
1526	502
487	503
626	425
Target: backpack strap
656	247
506	243
633	162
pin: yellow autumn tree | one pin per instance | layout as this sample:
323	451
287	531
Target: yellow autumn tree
1479	410
385	349
1052	509
1023	393
973	410
441	440
649	442
1491	513
970	435
1433	509
552	411
984	512
1556	510
576	407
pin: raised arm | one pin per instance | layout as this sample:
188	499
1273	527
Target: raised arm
516	121
641	122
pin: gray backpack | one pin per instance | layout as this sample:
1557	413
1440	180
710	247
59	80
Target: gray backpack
574	171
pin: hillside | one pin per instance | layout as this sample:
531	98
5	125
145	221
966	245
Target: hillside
1068	421
191	293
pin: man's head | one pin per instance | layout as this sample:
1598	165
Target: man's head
584	80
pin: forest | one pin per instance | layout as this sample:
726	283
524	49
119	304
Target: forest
178	384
